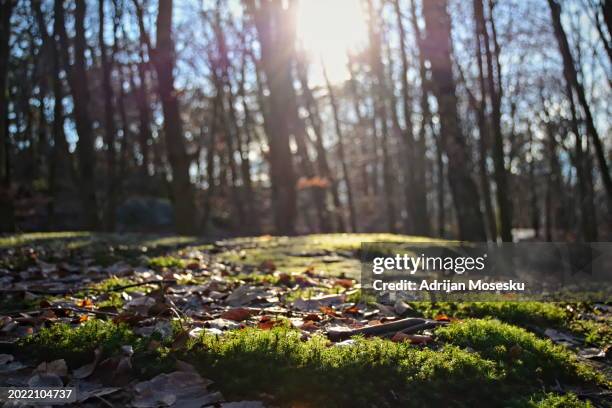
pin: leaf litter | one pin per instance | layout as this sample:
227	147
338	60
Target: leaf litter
201	295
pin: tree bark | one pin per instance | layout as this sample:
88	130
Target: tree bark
463	188
341	155
163	60
77	79
7	211
414	169
109	124
572	77
494	91
323	167
381	115
273	31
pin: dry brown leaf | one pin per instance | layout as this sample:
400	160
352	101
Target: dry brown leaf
238	314
345	283
441	317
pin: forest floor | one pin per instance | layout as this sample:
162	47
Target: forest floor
147	321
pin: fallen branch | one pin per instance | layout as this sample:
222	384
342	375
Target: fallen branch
407	326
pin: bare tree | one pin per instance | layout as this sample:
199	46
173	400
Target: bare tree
463	188
163	60
77	79
273	27
571	76
7	216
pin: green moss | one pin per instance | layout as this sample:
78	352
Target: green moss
596	333
76	345
297	254
520	353
166	262
522	313
35	237
550	400
278	362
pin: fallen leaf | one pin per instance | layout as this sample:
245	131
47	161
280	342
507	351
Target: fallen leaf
45	380
309	325
57	367
401	308
592	353
86	303
180	388
560	337
345	283
312	317
88	369
238	314
267	265
441	317
266	323
222	324
6	358
352	310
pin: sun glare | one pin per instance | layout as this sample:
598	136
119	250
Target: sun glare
328	30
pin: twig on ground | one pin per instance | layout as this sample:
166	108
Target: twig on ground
407	326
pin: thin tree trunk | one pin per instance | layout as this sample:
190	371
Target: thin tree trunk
60	161
533	195
182	189
109	124
7	211
341	155
483	125
360	128
232	138
322	164
415	188
380	103
494	91
253	210
587	209
463	187
77	79
572	77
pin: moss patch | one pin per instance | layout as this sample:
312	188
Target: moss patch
520	353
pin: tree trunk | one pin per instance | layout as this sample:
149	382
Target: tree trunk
534	209
60	161
226	104
109	124
77	79
253	210
569	70
7	211
483	125
341	155
606	8
322	163
463	187
274	31
380	103
587	209
494	91
182	190
414	168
